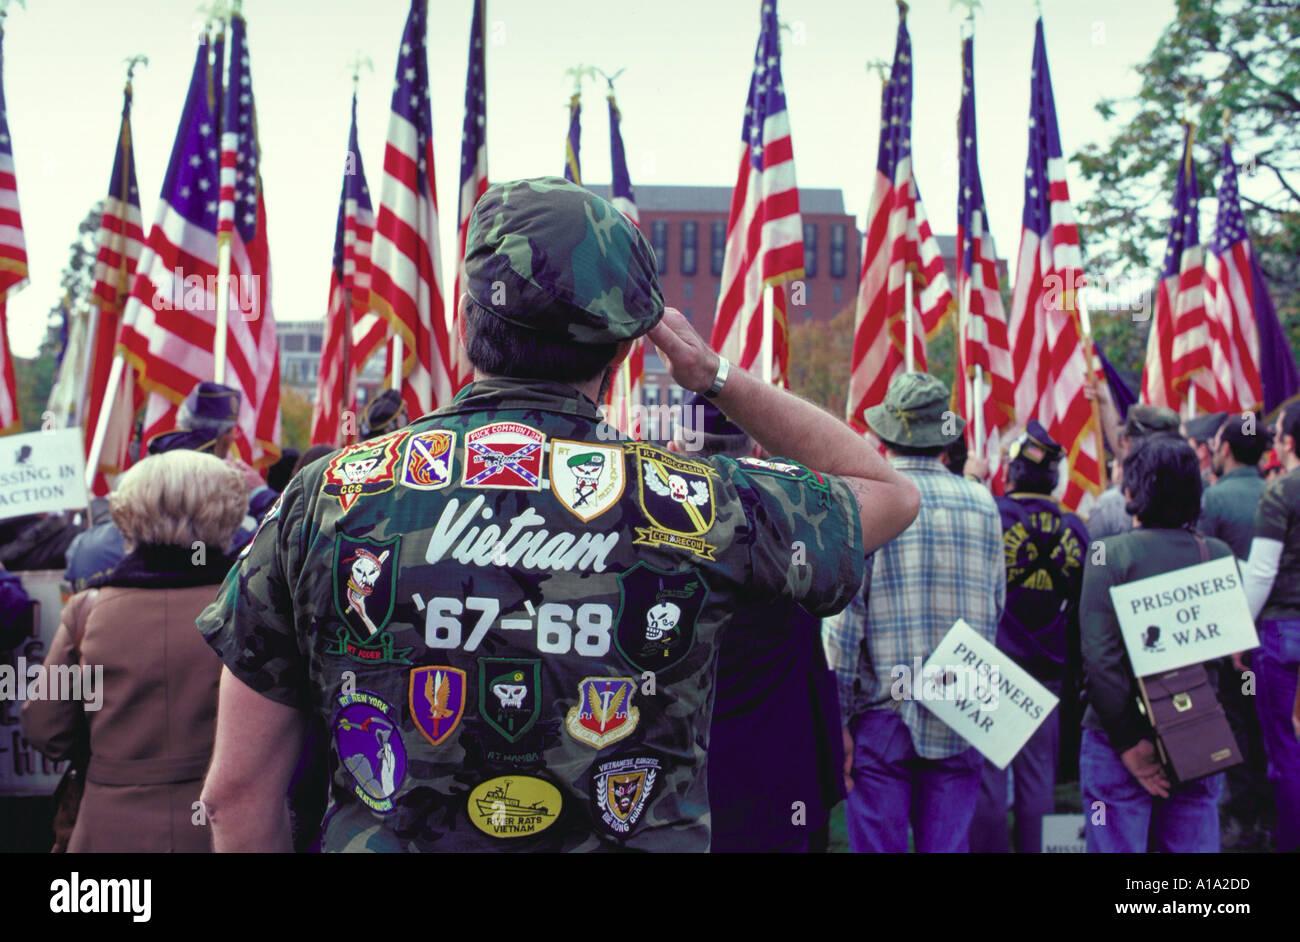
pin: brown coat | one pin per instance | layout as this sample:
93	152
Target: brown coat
151	740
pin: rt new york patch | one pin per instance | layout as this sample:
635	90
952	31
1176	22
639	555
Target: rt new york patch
428	460
657	614
676	496
370	747
587	479
362	470
504	455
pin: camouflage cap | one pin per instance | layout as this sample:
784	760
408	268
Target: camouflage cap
547	255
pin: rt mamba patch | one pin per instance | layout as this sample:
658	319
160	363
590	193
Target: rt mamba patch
657	612
370	747
514	806
505	455
604	713
365	593
428	460
437	701
621	789
676	495
362	470
510	694
587	479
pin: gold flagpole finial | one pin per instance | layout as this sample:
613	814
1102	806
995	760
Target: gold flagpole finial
580	72
609	79
131	63
881	67
4	8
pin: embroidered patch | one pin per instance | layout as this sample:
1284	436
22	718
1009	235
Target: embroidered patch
370	747
510	694
505	455
604	713
379	651
657	612
621	789
428	460
676	496
786	469
362	470
365	587
587	479
514	806
437	701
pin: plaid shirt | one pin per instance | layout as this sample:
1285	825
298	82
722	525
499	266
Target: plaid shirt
947	565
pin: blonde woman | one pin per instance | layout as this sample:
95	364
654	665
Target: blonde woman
148	724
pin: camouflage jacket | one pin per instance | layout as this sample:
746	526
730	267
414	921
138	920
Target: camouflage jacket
508	620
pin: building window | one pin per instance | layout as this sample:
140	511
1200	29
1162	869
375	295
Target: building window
807	314
659	242
837	250
810	249
689	246
313	343
717	247
687	291
686	312
837	292
291	343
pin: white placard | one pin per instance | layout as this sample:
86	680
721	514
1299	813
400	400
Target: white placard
42	472
24	772
1064	834
1183	617
983	694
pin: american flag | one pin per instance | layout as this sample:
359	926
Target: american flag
350	310
764	246
407	267
898	240
13	261
983	332
473	177
120	243
1050	365
573	142
1263	364
625	389
1178	344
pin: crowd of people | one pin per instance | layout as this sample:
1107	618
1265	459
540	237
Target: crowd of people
773	583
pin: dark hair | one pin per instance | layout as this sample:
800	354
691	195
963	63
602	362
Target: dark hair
957	453
278	475
1291	421
914	451
1245	449
1032	478
1163	475
499	348
312	454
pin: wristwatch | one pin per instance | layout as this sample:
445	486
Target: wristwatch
720	379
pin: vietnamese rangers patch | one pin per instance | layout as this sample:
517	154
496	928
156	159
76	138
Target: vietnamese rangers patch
510	694
657	613
370	747
587	479
676	496
514	806
437	701
505	455
428	460
361	471
621	789
604	713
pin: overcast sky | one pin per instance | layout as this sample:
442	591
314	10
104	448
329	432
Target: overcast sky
687	73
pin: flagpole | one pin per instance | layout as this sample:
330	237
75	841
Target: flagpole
1090	354
88	338
223	247
767	334
911	330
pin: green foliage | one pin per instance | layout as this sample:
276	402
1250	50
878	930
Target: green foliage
295	419
1238	63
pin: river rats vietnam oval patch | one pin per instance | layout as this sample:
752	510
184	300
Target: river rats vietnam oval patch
514	806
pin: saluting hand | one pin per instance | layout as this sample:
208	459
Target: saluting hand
690	362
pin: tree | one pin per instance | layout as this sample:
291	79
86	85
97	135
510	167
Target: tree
819	360
295	419
1238	63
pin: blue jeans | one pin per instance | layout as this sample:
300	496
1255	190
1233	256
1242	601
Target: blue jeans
1131	820
1034	779
1275	689
893	788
